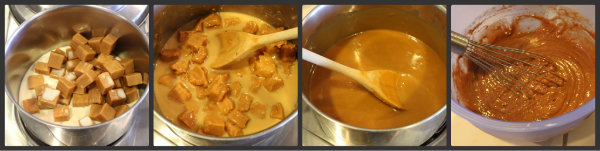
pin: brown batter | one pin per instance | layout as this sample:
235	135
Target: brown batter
573	64
346	100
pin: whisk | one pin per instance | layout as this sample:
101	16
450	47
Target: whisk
513	68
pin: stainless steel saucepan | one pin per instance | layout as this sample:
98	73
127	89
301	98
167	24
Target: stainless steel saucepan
53	28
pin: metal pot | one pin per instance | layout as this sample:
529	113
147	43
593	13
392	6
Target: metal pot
53	28
327	24
167	19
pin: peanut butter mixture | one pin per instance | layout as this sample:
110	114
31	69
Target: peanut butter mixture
247	97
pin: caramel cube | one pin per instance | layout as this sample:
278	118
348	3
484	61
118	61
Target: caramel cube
217	91
95	111
233	130
95	43
71	54
96	96
225	106
40	89
66	87
273	83
60	51
56	60
244	103
104	82
238	118
80	100
86	79
61	113
167	79
121	109
49	98
145	78
118	83
214	125
114	68
259	110
79	90
85	53
277	111
108	43
180	93
42	68
71	64
236	88
78	40
198	76
106	113
132	95
188	118
35	81
30	105
116	97
133	79
70	76
82	67
103	59
181	66
127	63
57	73
212	21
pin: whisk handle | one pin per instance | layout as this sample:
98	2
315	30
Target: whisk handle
458	39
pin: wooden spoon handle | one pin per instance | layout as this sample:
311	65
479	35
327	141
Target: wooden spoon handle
291	33
330	64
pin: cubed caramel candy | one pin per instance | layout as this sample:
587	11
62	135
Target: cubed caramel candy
273	83
244	103
49	98
133	79
95	43
132	95
106	113
108	43
82	67
64	101
192	105
114	68
70	54
188	118
103	59
236	88
168	55
277	111
86	79
85	53
183	35
167	79
61	113
200	55
95	111
198	76
42	68
180	93
233	130
116	97
35	81
121	109
104	82
66	87
263	65
57	73
56	60
78	40
251	27
288	52
214	124
80	90
181	66
217	91
231	21
71	64
96	96
255	83
30	105
225	106
60	51
212	21
80	100
127	63
195	42
238	118
259	110
86	121
145	78
118	83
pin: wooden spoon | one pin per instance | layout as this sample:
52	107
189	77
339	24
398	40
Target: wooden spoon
382	83
237	45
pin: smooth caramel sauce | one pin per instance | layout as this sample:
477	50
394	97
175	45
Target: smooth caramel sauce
346	100
286	95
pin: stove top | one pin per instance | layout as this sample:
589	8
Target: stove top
17	135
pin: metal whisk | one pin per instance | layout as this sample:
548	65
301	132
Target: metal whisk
506	64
